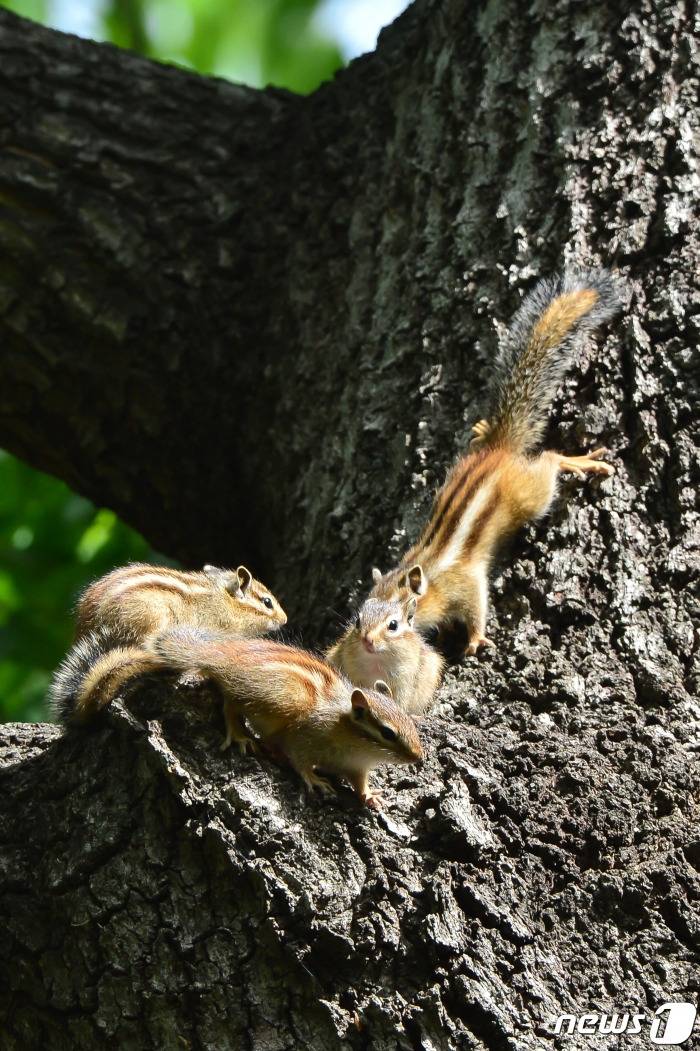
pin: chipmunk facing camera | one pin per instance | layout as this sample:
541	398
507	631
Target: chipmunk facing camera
382	643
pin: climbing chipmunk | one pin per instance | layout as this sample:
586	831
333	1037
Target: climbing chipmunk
298	704
136	601
500	485
382	644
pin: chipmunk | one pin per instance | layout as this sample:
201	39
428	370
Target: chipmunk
137	601
119	612
382	644
500	485
299	704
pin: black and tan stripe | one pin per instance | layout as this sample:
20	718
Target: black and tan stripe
476	469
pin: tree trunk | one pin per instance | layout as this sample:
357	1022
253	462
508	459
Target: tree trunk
259	326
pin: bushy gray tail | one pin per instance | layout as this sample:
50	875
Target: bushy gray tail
537	351
93	672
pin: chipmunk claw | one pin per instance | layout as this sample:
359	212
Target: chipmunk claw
480	430
373	800
591	463
312	781
476	644
245	744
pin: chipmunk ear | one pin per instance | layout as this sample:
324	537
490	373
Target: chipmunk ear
211	571
383	687
376	574
416	580
244	578
238	581
359	704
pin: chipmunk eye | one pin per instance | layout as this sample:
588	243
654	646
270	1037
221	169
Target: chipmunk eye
267	601
388	734
393	625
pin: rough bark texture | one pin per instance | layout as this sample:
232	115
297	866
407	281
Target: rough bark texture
259	326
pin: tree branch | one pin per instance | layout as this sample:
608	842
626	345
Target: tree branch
135	199
251	322
167	893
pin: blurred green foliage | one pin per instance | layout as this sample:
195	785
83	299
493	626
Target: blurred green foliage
52	542
258	42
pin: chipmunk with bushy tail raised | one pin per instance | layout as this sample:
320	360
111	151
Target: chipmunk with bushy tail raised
502	483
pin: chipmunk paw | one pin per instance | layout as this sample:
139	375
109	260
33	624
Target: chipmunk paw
480	430
591	463
479	643
373	799
312	781
245	744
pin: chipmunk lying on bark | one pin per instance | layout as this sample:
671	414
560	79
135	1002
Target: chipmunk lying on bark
119	612
136	601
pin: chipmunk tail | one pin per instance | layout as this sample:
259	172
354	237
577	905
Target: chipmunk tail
92	674
538	351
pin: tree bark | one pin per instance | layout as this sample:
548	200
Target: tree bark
259	326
